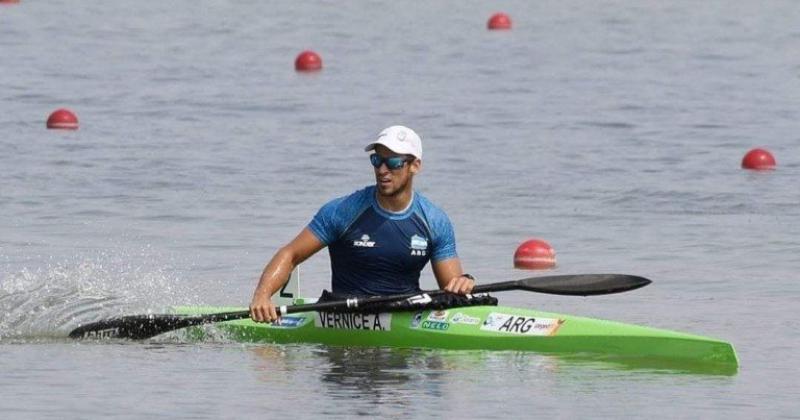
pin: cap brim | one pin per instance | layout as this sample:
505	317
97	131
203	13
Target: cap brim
399	150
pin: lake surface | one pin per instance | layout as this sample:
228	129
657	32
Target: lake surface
614	130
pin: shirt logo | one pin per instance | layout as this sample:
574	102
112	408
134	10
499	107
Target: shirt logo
364	242
419	245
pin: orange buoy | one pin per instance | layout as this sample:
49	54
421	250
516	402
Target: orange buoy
62	119
758	160
535	254
499	21
308	61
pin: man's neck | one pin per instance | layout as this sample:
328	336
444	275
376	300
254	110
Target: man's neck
396	203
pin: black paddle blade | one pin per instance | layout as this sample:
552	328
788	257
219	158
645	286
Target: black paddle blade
135	327
583	284
141	327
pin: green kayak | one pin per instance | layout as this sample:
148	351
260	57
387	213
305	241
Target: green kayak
484	328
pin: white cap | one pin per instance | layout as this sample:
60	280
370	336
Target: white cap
399	139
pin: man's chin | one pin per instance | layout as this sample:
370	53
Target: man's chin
386	190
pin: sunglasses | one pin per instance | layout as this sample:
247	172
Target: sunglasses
393	162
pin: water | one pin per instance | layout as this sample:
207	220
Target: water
614	130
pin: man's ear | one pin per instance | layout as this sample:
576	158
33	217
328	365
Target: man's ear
416	166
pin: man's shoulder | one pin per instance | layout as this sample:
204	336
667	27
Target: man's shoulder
429	209
440	227
335	215
351	202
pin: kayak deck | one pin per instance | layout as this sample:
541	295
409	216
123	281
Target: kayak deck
484	328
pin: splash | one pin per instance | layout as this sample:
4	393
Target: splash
46	303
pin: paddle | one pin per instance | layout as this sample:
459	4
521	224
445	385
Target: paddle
139	327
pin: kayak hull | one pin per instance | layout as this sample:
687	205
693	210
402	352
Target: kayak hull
485	328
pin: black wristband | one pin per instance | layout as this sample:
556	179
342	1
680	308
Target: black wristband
469	276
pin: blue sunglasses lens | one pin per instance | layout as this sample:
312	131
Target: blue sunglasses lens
394	162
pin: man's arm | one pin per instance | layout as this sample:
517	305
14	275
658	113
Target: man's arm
276	273
450	276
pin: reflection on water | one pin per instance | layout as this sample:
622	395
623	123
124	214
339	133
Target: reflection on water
376	374
389	375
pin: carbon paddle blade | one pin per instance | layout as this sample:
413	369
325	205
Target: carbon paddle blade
134	327
583	284
141	327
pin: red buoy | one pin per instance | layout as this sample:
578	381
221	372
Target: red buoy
758	160
535	254
499	21
62	119
308	61
8	1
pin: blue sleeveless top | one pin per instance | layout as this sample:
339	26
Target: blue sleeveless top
377	252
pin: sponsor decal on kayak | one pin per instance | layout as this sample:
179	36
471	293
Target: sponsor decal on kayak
515	324
437	316
460	318
416	320
435	325
354	321
289	321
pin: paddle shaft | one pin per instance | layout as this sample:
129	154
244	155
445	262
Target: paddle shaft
528	284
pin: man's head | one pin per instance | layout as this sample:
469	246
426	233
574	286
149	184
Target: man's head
396	159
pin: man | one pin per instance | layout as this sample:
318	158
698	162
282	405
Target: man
379	238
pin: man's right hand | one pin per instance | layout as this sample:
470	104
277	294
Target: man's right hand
277	271
263	310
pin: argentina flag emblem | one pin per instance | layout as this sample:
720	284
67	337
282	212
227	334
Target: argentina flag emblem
419	245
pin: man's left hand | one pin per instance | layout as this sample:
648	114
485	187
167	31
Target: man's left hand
461	285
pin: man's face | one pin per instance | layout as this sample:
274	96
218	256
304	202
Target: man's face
391	182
